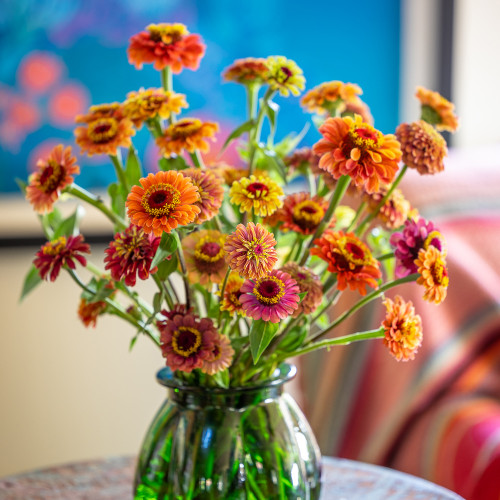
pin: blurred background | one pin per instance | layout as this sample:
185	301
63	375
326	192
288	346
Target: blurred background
70	393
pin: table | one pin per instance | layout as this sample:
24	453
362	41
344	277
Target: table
111	479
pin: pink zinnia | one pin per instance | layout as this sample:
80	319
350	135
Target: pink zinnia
414	236
131	254
222	355
186	341
60	252
272	298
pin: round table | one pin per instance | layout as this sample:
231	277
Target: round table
111	479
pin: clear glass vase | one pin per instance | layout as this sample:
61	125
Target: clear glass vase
237	443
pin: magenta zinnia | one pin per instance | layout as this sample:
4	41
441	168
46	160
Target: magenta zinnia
186	341
250	250
131	254
58	253
271	298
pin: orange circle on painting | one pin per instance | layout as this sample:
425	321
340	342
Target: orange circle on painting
66	102
38	71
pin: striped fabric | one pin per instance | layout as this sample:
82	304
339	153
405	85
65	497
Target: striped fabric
437	417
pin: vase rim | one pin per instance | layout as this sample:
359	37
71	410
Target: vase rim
283	373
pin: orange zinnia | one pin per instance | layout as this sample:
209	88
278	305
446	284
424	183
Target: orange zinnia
189	134
166	45
53	174
433	274
327	96
352	147
248	71
163	201
437	110
106	129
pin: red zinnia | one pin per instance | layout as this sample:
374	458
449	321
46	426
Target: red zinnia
60	252
130	255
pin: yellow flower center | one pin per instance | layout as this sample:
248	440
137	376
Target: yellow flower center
354	252
269	290
167	33
257	249
257	190
186	341
233	298
52	175
102	130
160	200
209	249
365	136
308	213
55	247
440	273
409	331
185	128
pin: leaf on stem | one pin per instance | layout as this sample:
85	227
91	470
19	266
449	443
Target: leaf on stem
272	111
31	281
70	225
261	333
133	171
237	132
167	267
118	197
276	161
173	163
167	246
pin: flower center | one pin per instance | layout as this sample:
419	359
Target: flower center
434	239
185	128
102	130
257	189
409	333
440	274
166	33
55	247
301	276
284	74
51	177
210	249
307	214
186	341
256	250
269	290
234	298
353	254
160	200
365	137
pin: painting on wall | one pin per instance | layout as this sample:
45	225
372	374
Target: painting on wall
59	57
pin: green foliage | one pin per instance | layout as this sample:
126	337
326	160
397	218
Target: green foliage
261	333
31	281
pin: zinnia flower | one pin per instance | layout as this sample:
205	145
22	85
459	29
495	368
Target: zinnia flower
250	251
248	71
437	110
221	357
166	45
232	293
106	129
88	312
204	253
349	258
329	96
303	160
53	174
395	210
210	191
186	341
189	134
352	147
162	202
271	298
284	75
260	193
308	282
131	254
408	243
147	104
423	147
303	214
58	253
402	328
433	274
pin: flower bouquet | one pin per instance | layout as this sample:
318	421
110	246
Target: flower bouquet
247	272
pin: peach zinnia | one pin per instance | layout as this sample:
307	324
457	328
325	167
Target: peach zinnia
52	175
166	45
147	104
106	129
232	293
260	194
395	210
329	96
221	356
349	258
250	251
437	110
352	147
433	274
402	329
189	134
303	214
248	71
162	202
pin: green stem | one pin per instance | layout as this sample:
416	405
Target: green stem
359	211
166	79
340	189
84	195
252	94
197	159
222	290
345	340
120	173
182	262
366	221
375	294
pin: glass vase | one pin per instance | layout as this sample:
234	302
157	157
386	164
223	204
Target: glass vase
237	443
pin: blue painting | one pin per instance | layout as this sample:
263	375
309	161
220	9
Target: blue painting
59	57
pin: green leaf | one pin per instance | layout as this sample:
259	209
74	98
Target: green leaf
69	226
118	197
167	246
133	171
301	296
222	378
167	267
272	111
158	301
293	339
276	160
99	290
261	333
290	142
21	184
133	341
172	163
31	281
237	132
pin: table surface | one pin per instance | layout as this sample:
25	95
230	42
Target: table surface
111	479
